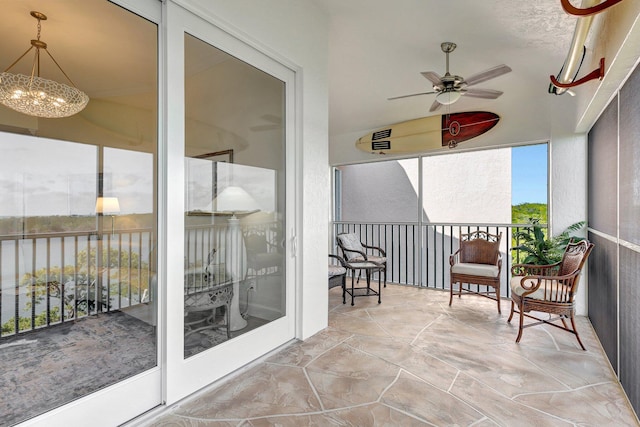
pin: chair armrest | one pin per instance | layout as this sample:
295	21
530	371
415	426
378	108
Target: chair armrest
533	269
340	259
537	280
453	257
375	247
364	254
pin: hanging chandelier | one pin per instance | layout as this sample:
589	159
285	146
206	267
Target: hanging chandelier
37	96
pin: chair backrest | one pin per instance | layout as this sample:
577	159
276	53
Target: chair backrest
574	256
255	243
480	247
350	242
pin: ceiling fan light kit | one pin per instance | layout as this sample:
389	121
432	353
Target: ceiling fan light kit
37	96
449	88
448	97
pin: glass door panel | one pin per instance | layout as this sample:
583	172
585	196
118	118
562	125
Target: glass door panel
78	219
234	278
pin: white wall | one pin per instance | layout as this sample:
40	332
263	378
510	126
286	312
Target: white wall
296	33
468	187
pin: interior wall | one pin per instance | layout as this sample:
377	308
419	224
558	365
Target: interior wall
614	209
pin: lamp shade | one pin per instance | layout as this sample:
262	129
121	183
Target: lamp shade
236	200
107	205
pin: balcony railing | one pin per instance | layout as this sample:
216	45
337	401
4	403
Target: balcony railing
418	254
48	279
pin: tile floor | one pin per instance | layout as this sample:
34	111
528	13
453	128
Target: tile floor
415	361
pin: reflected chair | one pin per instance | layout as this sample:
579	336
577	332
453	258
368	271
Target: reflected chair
263	257
477	262
337	272
549	289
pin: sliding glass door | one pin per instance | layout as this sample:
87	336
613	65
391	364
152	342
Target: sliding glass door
230	300
78	218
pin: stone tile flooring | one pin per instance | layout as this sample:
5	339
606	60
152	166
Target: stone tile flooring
415	361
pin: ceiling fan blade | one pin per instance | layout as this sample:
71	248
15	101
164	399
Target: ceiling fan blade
432	77
435	106
485	75
260	128
482	93
407	96
272	118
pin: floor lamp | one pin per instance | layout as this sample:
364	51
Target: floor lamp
236	201
108	205
104	205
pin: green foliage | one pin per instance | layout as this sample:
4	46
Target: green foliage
75	286
11	226
538	249
24	323
522	213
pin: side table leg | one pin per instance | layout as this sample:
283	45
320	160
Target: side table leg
352	292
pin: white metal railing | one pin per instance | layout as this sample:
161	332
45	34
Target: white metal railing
418	254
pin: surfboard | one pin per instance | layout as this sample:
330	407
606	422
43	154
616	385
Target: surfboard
428	133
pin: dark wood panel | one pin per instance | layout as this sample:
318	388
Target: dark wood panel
602	182
630	325
630	159
602	301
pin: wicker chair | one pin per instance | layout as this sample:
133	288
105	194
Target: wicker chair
549	289
477	262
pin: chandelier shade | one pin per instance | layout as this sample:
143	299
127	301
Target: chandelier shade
36	96
40	97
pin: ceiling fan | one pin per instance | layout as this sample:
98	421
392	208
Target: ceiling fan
449	88
275	123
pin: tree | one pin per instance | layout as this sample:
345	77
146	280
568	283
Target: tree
539	249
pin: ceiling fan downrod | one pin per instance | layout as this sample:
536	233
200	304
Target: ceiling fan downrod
448	47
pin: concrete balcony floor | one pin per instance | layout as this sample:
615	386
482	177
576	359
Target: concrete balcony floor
413	360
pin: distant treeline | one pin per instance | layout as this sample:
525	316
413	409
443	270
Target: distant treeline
11	226
520	214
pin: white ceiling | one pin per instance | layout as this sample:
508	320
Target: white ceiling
377	49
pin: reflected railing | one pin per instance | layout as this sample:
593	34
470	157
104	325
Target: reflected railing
51	278
204	242
418	254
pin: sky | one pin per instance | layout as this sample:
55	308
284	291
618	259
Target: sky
529	174
41	177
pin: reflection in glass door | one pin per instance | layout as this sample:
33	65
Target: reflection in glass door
234	197
78	219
